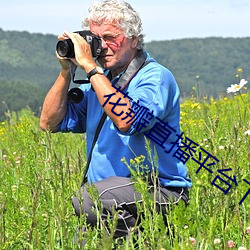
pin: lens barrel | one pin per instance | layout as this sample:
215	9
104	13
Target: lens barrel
75	95
65	48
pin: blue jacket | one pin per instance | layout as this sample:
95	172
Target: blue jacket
154	88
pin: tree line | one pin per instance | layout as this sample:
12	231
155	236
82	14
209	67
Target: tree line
202	67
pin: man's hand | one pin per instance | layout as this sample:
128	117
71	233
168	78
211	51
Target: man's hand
83	54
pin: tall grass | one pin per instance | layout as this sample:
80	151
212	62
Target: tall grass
40	172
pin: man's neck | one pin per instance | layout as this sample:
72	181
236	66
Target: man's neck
117	71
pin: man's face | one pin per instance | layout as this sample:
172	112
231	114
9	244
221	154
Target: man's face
118	50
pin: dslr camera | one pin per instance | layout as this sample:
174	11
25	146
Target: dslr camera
65	48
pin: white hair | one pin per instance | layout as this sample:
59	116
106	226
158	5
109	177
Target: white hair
120	13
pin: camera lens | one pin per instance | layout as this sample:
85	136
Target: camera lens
75	95
65	48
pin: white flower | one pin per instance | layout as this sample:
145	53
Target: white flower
192	240
248	230
22	210
247	132
217	241
242	248
221	147
237	87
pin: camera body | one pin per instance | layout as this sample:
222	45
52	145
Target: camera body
65	48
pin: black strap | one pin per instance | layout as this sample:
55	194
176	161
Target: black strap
136	64
97	132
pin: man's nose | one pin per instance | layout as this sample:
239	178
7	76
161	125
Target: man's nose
104	44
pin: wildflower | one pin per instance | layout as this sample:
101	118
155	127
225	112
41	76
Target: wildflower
237	87
14	188
221	147
216	241
198	182
22	210
242	248
132	162
240	70
230	244
137	159
45	216
195	105
247	133
192	240
248	230
183	113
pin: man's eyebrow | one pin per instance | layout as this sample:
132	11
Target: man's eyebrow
107	33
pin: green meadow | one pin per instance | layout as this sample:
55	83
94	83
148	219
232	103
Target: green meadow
40	172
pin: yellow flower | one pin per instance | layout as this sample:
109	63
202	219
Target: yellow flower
240	70
138	160
195	105
132	162
183	113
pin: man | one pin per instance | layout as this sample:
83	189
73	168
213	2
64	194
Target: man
131	81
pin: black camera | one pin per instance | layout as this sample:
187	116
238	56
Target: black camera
65	48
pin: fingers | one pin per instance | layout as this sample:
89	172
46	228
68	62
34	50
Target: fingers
59	57
67	35
70	35
63	36
65	61
75	37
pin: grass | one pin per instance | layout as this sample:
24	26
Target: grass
40	172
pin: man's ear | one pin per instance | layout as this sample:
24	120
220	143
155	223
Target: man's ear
134	42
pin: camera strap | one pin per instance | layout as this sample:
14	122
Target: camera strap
136	64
